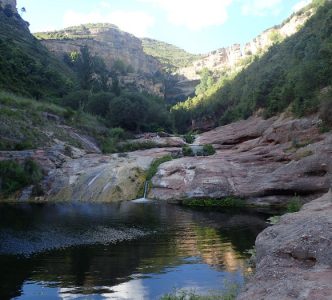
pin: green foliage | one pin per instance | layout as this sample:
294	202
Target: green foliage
206	82
228	202
75	100
73	32
26	67
325	111
15	176
205	150
99	104
275	37
294	205
138	112
189	138
187	151
155	164
290	74
134	146
208	150
171	57
91	70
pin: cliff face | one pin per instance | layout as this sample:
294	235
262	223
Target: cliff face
230	57
106	41
111	44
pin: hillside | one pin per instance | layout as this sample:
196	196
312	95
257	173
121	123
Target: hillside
25	62
292	73
170	56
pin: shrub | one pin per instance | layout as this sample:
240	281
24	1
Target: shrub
208	150
187	151
15	176
134	146
189	138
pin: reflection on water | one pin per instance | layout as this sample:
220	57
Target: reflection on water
120	251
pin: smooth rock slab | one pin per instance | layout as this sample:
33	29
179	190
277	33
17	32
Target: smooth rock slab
294	257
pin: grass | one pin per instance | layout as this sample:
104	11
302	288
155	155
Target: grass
155	165
294	205
228	202
23	124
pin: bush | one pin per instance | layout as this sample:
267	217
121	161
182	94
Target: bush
189	138
134	146
15	176
187	151
75	100
208	150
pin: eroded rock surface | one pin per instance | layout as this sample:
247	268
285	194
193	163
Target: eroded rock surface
294	257
263	161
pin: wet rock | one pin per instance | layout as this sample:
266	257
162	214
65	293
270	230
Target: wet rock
294	257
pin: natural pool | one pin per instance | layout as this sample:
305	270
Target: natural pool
121	250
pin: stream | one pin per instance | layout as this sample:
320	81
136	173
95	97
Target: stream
127	250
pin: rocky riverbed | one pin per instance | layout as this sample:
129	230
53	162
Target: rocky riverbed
265	162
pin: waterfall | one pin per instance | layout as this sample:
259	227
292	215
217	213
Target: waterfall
146	188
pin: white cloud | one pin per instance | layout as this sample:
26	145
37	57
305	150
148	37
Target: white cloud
298	6
194	14
261	7
135	22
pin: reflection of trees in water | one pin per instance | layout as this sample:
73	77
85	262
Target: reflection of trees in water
218	238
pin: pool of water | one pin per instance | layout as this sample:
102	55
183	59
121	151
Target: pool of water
125	250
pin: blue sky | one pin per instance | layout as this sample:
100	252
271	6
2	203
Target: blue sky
197	26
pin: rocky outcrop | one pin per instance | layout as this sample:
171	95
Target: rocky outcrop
231	57
112	45
102	178
263	161
294	257
108	42
142	83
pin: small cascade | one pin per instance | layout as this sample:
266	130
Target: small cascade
144	199
146	189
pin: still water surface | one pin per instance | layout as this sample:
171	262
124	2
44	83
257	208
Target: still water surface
121	251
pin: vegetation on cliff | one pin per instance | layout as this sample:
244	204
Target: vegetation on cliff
26	66
170	56
291	73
